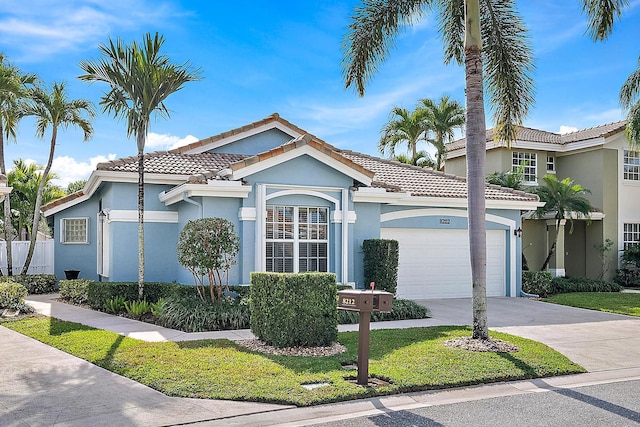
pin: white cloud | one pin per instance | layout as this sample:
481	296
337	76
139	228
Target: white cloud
70	170
39	29
567	129
167	142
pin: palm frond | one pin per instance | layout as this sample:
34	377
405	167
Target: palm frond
371	34
508	64
601	15
451	26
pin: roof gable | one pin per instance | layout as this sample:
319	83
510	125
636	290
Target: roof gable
304	145
273	121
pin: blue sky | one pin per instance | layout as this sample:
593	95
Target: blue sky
262	57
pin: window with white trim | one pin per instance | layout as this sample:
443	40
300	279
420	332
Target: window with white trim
297	239
551	164
528	163
631	235
74	230
631	164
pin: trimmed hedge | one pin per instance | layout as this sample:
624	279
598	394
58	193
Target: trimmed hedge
536	282
542	284
75	291
290	310
12	294
381	264
37	283
402	309
582	284
99	293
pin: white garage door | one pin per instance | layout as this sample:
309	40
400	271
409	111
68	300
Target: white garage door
435	263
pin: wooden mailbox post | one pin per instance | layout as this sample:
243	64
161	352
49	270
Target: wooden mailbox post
364	302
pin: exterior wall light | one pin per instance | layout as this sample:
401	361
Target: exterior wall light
518	232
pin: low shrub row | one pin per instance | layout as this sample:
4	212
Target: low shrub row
628	277
402	309
183	310
543	284
37	283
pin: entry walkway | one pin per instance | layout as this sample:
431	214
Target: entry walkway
43	386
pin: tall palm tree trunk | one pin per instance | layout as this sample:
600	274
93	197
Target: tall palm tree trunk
141	216
552	249
8	230
36	209
476	145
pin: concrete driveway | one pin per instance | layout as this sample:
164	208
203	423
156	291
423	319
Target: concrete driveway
598	341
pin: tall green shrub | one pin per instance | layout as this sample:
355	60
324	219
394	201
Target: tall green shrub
294	309
381	264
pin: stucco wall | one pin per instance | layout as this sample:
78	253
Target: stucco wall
255	144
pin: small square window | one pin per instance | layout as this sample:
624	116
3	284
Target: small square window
551	164
74	230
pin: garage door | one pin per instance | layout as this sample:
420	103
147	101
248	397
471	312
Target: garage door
435	263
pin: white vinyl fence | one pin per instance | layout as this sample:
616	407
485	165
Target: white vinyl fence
41	263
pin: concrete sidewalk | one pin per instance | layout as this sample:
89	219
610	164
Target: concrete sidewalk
46	386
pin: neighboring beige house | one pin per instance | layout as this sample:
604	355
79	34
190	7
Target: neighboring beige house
597	158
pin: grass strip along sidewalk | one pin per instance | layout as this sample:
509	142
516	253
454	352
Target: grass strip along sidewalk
610	302
409	359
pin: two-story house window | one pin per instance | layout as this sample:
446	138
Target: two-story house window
297	239
631	164
528	163
551	164
631	235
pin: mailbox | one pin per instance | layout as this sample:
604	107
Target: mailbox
358	300
364	302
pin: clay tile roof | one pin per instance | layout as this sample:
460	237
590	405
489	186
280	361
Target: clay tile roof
62	200
536	135
396	177
594	132
164	162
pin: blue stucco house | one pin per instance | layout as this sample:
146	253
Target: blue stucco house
298	204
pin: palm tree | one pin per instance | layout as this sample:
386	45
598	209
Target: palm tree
630	100
443	118
510	179
53	109
422	159
466	26
566	199
13	87
403	127
141	79
25	179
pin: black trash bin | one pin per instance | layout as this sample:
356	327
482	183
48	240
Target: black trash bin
71	274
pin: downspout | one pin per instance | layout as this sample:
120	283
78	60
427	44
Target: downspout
187	199
523	293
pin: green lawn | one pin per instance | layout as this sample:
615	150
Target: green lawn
612	302
410	359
